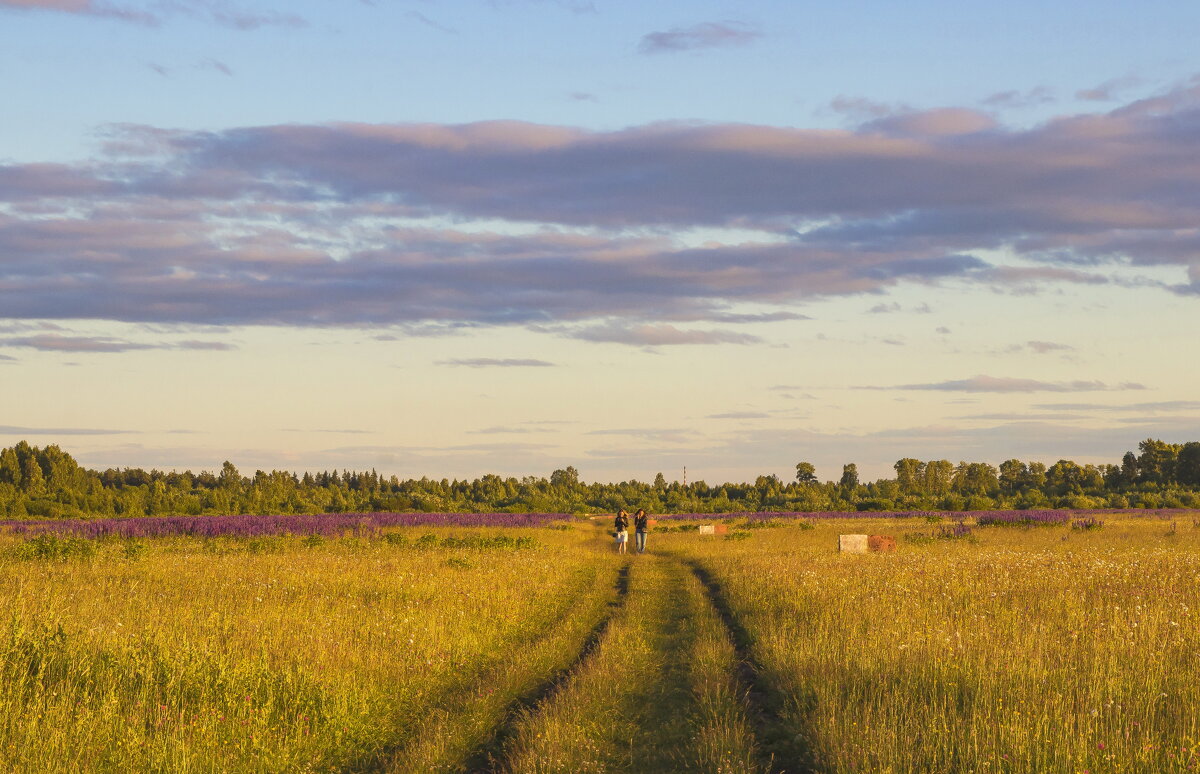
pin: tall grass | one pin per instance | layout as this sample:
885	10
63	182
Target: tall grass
1020	649
201	657
1037	650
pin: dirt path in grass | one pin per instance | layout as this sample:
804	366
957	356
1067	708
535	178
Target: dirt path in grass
781	746
489	755
665	690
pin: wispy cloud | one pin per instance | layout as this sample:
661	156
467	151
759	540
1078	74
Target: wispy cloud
698	36
53	342
983	383
43	431
428	22
1152	407
156	13
1109	90
1038	95
659	335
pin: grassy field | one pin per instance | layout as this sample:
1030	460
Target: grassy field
1004	649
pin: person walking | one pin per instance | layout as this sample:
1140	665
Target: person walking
622	525
641	525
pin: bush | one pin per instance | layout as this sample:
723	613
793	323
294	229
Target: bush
135	549
56	547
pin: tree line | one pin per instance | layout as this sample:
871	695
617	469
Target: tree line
48	483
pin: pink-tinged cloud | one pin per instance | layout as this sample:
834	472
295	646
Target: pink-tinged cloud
659	335
309	225
698	36
155	13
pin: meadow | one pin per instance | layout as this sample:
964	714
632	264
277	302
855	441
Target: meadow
984	643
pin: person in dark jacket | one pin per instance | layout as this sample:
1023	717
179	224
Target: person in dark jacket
641	525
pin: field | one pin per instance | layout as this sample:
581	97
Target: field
1060	645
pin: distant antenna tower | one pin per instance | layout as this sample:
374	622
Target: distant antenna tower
685	475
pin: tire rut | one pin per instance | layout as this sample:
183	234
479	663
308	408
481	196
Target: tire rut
783	752
489	757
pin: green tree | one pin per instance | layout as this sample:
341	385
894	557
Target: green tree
1156	463
938	475
1012	475
849	480
975	478
806	473
567	478
910	475
1187	465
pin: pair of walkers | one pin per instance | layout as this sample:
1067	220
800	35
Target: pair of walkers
641	524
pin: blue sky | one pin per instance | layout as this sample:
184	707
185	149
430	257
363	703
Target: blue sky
450	238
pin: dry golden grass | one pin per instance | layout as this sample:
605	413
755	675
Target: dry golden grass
1029	650
1023	650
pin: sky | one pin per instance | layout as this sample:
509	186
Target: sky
448	238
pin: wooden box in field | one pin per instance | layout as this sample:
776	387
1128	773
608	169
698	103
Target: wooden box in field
852	544
714	529
881	543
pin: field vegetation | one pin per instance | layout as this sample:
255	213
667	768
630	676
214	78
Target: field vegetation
980	644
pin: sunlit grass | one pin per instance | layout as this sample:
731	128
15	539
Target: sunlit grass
1041	649
233	656
659	694
1009	649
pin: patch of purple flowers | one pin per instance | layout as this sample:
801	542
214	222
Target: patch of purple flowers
326	524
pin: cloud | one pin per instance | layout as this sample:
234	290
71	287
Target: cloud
425	20
216	346
491	362
698	36
214	64
573	232
53	342
1148	407
1039	95
57	343
1043	347
1001	384
499	430
658	335
15	430
1109	90
156	13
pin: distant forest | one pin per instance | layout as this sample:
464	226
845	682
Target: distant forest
49	483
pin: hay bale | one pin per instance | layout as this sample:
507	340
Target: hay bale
881	543
852	544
